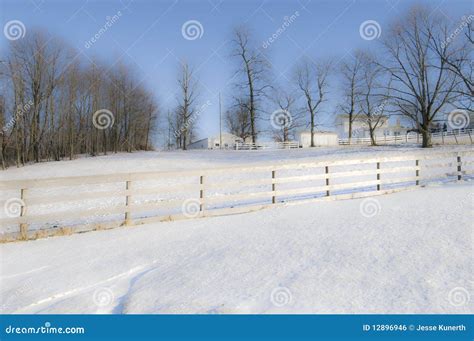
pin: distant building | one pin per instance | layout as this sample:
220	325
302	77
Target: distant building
321	138
360	127
395	129
228	142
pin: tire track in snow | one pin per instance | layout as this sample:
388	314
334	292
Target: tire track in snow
24	273
119	307
87	287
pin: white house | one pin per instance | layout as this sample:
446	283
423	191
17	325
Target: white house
228	142
321	138
360	127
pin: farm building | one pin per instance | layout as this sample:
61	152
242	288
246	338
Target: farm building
321	138
228	142
360	127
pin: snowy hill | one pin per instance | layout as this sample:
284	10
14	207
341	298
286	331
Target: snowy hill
406	258
199	159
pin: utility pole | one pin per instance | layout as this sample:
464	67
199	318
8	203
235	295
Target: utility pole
169	130
220	122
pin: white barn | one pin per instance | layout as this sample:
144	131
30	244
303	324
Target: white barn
228	142
321	138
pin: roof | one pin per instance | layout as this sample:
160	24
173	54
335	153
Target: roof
319	132
218	137
227	135
198	141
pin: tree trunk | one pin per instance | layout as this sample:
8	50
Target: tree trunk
350	128
426	134
184	140
3	150
372	138
252	110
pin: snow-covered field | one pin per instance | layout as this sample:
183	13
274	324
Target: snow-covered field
219	187
199	159
409	252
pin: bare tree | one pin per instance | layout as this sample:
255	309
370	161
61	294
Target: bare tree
48	109
372	101
421	83
3	137
312	81
237	119
176	126
186	106
351	76
35	70
252	69
287	118
459	58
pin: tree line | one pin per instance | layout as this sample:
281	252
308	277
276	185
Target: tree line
421	67
55	105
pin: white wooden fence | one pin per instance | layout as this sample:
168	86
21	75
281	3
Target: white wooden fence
56	206
266	145
464	136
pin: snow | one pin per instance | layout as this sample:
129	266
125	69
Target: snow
200	159
165	187
409	252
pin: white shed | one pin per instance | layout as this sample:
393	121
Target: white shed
228	142
321	138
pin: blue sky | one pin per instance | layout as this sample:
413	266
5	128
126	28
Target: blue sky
148	36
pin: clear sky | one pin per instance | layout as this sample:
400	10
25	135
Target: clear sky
148	36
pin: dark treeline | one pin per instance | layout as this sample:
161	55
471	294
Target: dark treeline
55	105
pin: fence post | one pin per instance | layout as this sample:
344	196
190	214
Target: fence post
128	201
201	193
417	172
378	176
459	167
273	187
23	226
327	181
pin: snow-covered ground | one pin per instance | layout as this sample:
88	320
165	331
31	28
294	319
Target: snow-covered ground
409	252
225	184
199	159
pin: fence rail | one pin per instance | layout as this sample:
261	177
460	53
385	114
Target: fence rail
462	136
136	198
266	145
